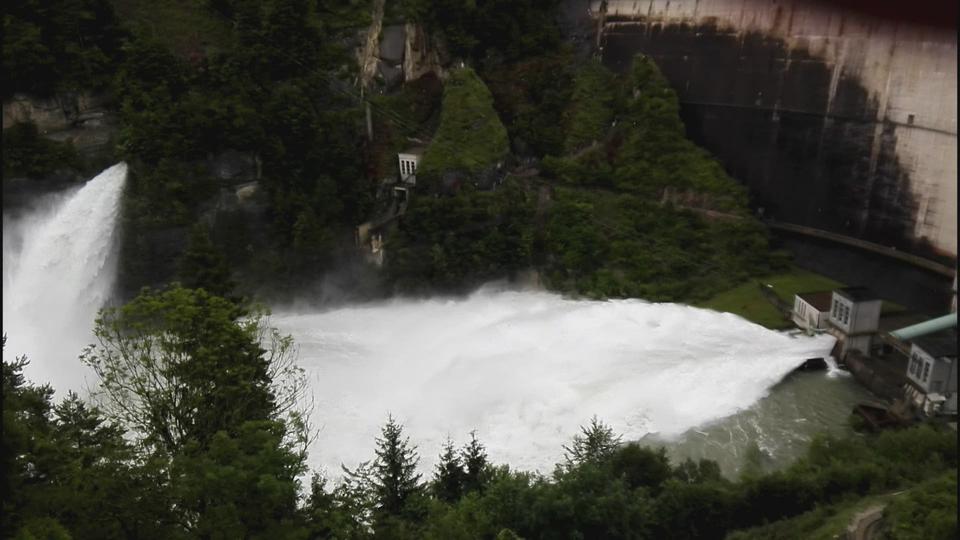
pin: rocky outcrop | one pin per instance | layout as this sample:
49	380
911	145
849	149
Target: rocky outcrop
367	54
81	119
392	44
421	55
232	167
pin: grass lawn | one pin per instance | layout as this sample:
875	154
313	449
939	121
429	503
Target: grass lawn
749	302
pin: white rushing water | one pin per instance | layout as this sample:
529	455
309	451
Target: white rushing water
525	369
59	265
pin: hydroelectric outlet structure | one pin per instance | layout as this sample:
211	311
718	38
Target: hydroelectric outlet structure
837	117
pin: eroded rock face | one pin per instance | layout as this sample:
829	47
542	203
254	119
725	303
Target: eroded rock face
420	56
83	120
233	167
392	40
49	114
835	119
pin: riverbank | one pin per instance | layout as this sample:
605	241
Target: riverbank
750	302
767	300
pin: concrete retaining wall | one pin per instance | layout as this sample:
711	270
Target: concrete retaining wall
836	119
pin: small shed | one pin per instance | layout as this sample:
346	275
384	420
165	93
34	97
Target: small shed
408	162
933	368
855	313
811	309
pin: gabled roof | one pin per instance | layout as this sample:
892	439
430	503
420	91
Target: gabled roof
938	344
820	300
857	294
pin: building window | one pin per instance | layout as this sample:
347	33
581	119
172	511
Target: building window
926	371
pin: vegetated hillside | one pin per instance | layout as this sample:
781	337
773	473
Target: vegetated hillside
619	213
51	47
471	137
262	90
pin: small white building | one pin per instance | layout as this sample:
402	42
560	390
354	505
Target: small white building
932	369
408	162
855	314
811	310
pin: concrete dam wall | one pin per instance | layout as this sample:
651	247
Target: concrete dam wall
835	118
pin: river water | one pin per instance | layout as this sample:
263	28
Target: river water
526	369
781	424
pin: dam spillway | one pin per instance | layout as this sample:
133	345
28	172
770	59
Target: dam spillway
526	369
835	118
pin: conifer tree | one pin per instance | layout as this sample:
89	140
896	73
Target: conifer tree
476	467
395	478
449	476
202	266
595	444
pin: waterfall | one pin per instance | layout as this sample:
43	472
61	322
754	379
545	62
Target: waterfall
59	266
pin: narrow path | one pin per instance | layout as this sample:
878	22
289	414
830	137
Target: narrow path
866	524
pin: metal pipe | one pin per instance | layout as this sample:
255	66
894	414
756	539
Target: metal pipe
926	327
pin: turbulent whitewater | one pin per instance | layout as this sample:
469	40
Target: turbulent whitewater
525	369
59	265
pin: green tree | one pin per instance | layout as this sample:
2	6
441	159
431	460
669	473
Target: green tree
596	443
928	511
203	266
691	511
211	393
182	364
59	45
592	106
356	497
697	472
26	430
471	136
477	468
449	475
27	153
70	473
641	467
396	481
240	484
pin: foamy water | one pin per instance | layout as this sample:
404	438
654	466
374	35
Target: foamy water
525	369
59	265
